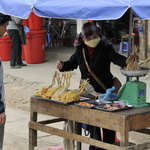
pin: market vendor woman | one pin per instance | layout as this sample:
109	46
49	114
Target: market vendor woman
99	54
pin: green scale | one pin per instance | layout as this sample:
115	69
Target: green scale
134	91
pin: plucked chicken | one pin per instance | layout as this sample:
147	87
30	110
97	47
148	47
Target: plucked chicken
51	91
133	63
74	95
43	90
64	87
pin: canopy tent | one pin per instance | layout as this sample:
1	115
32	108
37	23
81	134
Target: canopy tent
141	9
77	9
18	8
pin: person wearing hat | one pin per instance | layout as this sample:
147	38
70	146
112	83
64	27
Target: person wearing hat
99	54
3	24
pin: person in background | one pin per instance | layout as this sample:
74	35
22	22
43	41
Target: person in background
99	54
16	49
4	19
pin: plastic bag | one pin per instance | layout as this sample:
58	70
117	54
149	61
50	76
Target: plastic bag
120	104
87	129
109	96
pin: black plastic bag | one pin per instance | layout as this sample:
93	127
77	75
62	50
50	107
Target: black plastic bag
87	129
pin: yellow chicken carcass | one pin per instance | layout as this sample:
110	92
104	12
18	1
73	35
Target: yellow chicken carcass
136	66
64	88
71	96
44	89
62	85
53	80
51	91
130	65
74	95
41	91
133	64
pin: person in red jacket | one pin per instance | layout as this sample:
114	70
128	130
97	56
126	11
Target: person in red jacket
3	24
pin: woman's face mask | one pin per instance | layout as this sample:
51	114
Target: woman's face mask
92	42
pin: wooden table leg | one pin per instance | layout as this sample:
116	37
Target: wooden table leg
78	130
32	133
32	139
124	134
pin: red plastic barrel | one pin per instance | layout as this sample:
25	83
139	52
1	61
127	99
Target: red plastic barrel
25	22
34	52
23	52
5	48
35	22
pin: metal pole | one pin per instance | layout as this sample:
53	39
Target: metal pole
130	33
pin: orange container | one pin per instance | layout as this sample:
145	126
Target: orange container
35	22
34	52
5	48
25	22
23	52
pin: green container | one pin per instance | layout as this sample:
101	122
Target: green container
134	92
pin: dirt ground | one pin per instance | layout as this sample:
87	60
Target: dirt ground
18	92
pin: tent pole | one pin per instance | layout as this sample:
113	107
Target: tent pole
130	31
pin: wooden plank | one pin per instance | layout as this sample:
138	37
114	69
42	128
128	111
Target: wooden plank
144	131
140	121
33	116
72	112
32	138
134	111
124	133
142	146
32	133
51	121
72	136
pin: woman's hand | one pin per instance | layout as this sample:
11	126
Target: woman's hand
60	65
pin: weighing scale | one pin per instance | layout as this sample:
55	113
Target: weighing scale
134	92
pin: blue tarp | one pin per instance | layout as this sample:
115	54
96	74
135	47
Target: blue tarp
141	8
82	9
19	8
76	9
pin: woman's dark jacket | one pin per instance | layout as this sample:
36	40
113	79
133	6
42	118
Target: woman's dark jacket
102	57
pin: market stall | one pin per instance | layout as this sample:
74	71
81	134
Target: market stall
124	121
93	10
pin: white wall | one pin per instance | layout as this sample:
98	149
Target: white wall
80	22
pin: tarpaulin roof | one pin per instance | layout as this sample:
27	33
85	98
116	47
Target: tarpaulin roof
141	8
85	9
77	9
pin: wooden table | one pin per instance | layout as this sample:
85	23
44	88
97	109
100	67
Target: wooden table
134	119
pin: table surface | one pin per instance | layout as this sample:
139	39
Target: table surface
121	121
89	116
